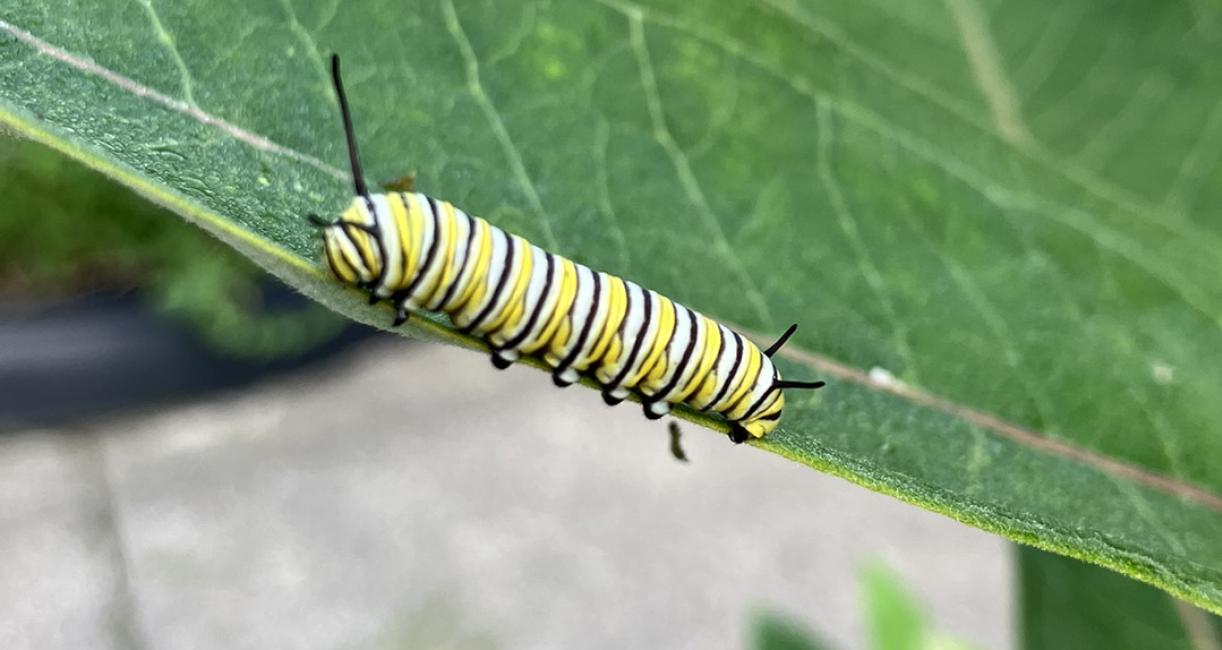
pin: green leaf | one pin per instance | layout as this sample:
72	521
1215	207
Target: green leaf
771	631
995	221
895	619
1068	604
75	232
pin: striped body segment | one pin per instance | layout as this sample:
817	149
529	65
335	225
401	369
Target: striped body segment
424	253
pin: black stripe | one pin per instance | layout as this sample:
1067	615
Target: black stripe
721	348
620	325
331	259
759	403
738	358
376	235
571	357
432	253
359	262
687	354
401	294
774	416
500	285
449	294
534	314
644	372
640	340
747	392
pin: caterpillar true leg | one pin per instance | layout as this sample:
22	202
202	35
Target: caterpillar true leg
739	434
502	358
401	315
655	410
500	363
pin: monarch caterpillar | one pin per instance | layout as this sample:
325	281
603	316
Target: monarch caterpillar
423	253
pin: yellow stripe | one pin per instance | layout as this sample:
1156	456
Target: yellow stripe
741	409
336	260
568	292
609	360
778	403
617	297
704	378
511	313
451	269
473	293
398	210
351	254
445	225
363	241
554	353
663	334
416	216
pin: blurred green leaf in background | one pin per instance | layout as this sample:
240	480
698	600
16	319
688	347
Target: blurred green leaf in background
70	231
771	631
895	619
1068	604
997	222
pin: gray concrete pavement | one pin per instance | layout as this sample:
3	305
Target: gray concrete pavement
410	496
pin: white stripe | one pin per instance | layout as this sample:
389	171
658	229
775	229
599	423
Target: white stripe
721	367
495	264
673	353
742	404
352	255
389	232
431	232
467	274
534	292
577	311
600	320
462	228
763	383
520	250
549	302
629	329
693	362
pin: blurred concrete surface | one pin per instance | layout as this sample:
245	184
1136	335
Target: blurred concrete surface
409	496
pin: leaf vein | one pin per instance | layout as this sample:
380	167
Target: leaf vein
848	225
475	86
683	168
167	40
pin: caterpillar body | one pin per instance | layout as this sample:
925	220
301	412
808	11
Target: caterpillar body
423	253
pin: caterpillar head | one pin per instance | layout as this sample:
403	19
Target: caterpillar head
352	245
353	242
765	420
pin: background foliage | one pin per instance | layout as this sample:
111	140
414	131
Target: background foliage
72	231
